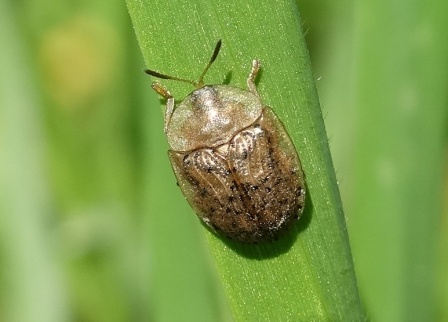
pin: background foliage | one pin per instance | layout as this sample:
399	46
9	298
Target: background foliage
81	235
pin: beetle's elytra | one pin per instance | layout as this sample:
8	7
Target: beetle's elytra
233	159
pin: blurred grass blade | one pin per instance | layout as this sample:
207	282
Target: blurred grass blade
401	81
307	275
31	285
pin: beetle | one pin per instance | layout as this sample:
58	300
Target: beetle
233	159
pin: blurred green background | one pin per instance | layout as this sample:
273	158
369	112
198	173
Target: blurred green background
83	236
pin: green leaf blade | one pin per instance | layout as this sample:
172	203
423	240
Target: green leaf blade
307	274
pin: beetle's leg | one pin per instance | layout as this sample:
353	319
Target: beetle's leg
169	102
252	75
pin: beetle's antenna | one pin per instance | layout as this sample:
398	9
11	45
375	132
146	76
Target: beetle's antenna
163	76
197	84
215	54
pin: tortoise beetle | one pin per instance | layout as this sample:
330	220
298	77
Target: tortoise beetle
233	159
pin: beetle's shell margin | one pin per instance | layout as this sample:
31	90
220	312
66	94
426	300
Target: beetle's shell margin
211	116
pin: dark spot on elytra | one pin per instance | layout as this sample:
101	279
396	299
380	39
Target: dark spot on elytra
253	217
203	192
193	181
246	187
283	201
